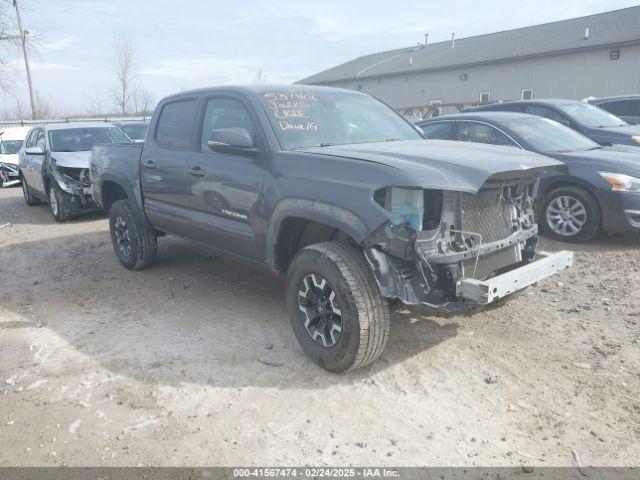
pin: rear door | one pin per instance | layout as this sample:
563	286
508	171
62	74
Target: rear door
224	188
164	165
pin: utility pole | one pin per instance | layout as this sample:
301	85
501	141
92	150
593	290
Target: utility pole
23	38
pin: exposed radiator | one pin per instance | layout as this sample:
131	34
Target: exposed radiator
488	214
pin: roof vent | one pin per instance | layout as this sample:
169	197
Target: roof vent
453	40
586	33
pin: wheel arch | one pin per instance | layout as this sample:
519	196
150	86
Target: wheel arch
295	221
548	187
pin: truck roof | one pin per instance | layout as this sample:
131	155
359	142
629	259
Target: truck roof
262	88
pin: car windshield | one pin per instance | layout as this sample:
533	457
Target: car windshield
10	147
136	132
82	139
549	136
303	118
591	116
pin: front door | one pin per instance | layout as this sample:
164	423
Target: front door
224	188
35	163
164	166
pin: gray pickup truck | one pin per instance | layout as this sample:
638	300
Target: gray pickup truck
338	192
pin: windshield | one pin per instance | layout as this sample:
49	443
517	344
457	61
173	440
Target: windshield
10	147
82	139
305	119
548	136
136	132
590	116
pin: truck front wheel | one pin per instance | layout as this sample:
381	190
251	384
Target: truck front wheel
335	307
134	241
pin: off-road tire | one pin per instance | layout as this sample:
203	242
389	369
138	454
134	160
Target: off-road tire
365	314
54	194
142	238
26	193
592	226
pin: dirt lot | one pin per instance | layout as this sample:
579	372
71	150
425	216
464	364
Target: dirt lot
193	362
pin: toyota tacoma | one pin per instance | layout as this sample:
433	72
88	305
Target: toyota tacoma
339	193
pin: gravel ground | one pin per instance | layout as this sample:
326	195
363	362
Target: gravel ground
193	362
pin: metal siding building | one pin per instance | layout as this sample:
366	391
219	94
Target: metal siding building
568	59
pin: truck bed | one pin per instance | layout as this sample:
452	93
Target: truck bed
116	162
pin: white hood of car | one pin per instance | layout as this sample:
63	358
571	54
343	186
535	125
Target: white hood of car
72	159
10	159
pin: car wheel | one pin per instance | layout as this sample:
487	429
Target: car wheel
335	307
56	203
570	214
26	193
134	242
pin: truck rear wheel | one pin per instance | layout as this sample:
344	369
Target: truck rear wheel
134	241
335	307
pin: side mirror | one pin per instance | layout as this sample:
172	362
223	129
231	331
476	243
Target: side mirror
34	151
234	141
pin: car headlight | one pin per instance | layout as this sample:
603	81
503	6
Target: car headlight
621	182
636	139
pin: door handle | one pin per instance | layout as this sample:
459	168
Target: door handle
149	164
196	172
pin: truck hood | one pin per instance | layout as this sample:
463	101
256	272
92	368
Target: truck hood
72	159
447	165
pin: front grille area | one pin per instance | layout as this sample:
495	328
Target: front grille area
488	214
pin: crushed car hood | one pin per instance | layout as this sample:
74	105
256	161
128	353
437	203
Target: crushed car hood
447	165
72	159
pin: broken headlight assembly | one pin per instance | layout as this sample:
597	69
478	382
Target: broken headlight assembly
405	205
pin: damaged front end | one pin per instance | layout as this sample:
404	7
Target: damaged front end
75	187
453	251
9	174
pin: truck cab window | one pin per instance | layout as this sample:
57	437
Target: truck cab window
225	113
175	125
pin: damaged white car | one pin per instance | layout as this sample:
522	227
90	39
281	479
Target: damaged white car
54	165
11	140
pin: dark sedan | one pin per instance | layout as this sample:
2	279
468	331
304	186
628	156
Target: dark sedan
593	122
627	107
601	192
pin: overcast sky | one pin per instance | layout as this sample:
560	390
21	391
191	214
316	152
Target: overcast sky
193	43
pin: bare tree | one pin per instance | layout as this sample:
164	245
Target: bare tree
19	111
45	110
95	104
124	65
142	101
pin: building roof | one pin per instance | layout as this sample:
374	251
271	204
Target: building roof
609	28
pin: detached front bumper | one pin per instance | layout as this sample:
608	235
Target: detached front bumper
9	174
484	292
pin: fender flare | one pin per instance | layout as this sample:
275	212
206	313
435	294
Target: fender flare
321	212
123	182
